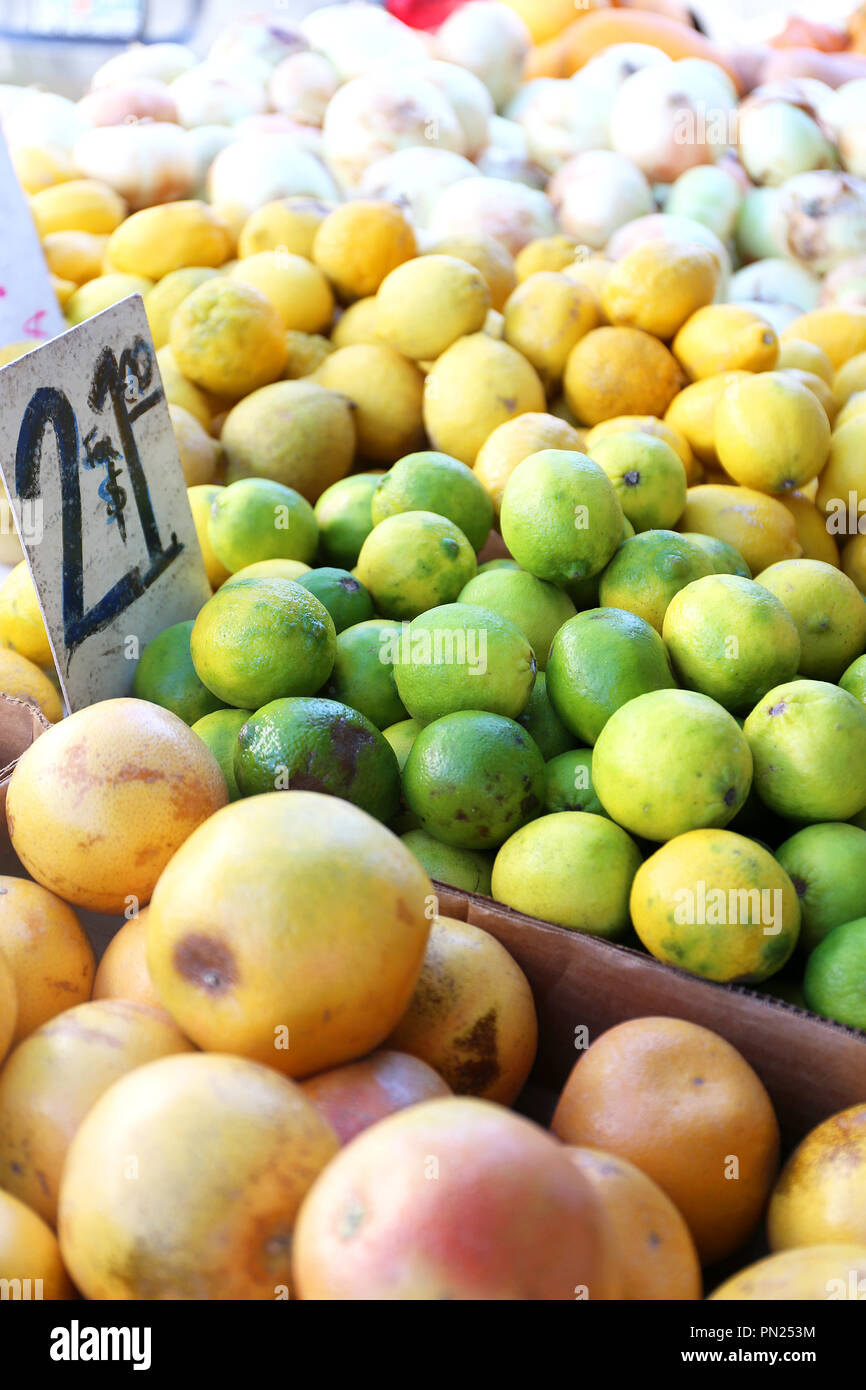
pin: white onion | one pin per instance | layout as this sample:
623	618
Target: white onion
415	178
562	120
606	72
709	194
820	219
667	119
778	140
146	162
44	118
144	99
257	169
596	193
775	281
256	37
509	212
490	40
206	96
358	37
373	116
301	86
845	114
164	61
205	142
472	103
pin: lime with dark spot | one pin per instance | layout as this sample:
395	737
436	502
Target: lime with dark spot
166	676
343	595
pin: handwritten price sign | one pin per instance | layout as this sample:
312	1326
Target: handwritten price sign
90	463
28	306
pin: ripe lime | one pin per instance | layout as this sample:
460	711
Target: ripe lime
166	676
569	783
345	597
542	722
414	561
256	519
434	482
808	741
827	865
539	609
344	519
648	476
600	660
647	570
219	731
363	672
835	981
459	656
560	516
467	869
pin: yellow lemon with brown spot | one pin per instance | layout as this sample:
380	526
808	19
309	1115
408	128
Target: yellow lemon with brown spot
620	371
820	1196
772	433
725	338
658	285
477	384
756	525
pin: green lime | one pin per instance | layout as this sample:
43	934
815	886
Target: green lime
344	518
318	746
560	517
257	519
569	783
671	761
467	869
343	595
827	865
834	985
459	656
829	611
724	558
220	732
166	676
853	679
646	572
808	741
731	639
541	720
599	661
434	482
501	564
648	476
363	673
401	736
414	561
260	639
539	609
474	778
537	869
269	569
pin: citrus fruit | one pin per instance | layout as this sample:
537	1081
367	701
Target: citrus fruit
828	610
833	983
488	255
386	390
620	371
756	525
538	608
854	561
46	951
365	1232
99	803
684	1107
725	338
357	323
228	338
816	542
840	332
560	516
22	627
201	499
827	865
224	1151
291	432
359	1094
659	429
122	971
290	223
179	390
459	656
55	1076
568	783
655	1252
159	240
731	639
433	482
542	723
305	352
813	1272
853	679
545	317
716	904
510	443
259	639
648	570
797	352
467	869
364	669
8	1005
840	482
317	746
472	1016
298	291
197	451
166	676
598	661
413	561
75	256
361	242
426	304
671	761
168	294
29	1254
473	778
819	1195
477	384
772	433
101	293
268	569
401	735
257	519
692	413
808	742
658	285
24	680
291	929
343	514
80	205
648	476
345	597
219	731
724	558
585	849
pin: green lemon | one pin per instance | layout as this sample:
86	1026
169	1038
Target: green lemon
829	611
503	563
343	595
647	570
260	639
363	672
401	736
536	871
560	516
166	676
569	783
466	869
269	569
256	519
474	778
671	761
853	679
539	609
648	476
459	656
414	561
318	746
600	660
731	639
541	720
344	518
220	732
724	558
827	865
834	985
434	482
808	741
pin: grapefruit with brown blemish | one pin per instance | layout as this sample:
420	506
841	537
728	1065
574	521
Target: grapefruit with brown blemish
46	950
98	805
358	1095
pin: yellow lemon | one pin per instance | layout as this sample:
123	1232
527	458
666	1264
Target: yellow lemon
812	533
772	433
24	680
854	406
304	353
427	303
854	561
73	255
160	239
658	285
512	442
198	452
78	205
756	525
103	291
620	371
228	338
38	166
161	302
592	272
797	352
387	390
725	338
477	384
545	253
361	242
298	290
287	224
179	390
810	1272
849	379
487	255
840	332
545	318
358	323
819	1195
21	625
693	413
201	499
845	471
817	385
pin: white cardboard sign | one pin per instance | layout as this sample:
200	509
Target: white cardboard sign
90	463
28	304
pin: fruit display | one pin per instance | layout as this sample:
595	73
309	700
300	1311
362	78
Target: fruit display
517	371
